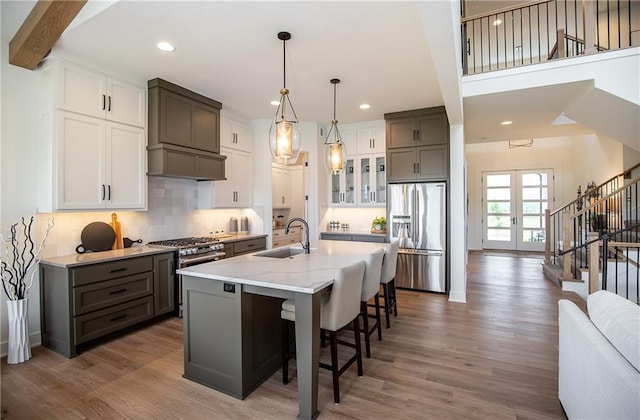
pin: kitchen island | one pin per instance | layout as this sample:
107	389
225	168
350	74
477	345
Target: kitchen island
232	316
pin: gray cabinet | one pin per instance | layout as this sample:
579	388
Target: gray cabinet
232	339
184	133
163	284
417	145
81	304
358	237
418	163
244	246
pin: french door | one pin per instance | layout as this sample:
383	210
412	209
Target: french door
514	203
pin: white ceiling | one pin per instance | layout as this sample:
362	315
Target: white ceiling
229	51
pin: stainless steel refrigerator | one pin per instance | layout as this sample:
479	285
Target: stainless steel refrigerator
417	214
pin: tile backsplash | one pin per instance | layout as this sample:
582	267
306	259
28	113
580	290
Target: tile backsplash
173	213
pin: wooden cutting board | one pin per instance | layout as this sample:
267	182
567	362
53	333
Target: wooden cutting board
118	243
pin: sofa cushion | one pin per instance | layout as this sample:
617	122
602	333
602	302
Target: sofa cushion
618	319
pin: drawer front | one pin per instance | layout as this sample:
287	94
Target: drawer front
97	324
110	270
111	292
250	245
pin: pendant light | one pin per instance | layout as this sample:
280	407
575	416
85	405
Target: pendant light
335	151
284	134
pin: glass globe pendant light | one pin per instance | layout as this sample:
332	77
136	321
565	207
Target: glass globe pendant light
284	134
335	152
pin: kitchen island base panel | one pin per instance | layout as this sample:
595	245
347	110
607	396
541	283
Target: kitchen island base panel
231	338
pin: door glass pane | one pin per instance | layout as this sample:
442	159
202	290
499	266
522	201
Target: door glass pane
498	207
534	193
499	221
349	177
499	234
533	235
365	180
534	179
381	181
335	188
498	194
498	180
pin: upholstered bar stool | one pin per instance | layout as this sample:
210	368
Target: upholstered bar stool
340	308
370	289
388	280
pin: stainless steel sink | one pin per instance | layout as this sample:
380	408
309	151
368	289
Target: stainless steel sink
280	253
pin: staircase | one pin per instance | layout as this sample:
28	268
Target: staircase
593	242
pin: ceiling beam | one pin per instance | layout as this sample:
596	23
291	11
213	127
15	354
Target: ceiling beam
40	31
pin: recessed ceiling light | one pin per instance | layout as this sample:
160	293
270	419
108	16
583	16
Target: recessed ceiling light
506	122
275	103
365	106
165	46
497	22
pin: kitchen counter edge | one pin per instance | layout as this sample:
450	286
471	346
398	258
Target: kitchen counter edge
78	260
242	237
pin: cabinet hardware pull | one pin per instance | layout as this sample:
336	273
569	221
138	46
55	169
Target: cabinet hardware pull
103	191
373	141
109	192
418	134
109	109
115	292
418	167
414	135
250	245
118	318
104	102
117	270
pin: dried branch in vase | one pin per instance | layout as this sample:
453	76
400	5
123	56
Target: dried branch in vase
20	258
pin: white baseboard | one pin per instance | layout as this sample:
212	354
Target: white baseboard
35	340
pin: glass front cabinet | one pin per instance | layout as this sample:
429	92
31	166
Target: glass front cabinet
373	180
343	185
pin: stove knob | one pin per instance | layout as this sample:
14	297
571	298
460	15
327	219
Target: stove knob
182	252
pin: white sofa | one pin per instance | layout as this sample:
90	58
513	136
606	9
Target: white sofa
599	358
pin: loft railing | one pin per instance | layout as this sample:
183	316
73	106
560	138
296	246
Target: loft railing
542	30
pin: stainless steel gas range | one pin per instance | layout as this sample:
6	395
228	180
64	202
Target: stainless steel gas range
189	252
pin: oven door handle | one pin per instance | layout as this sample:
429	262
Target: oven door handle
210	257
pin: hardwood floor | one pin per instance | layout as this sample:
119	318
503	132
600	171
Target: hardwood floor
493	357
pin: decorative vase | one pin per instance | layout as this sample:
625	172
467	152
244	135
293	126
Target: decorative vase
19	350
378	227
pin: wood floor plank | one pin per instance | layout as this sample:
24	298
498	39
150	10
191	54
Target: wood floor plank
494	357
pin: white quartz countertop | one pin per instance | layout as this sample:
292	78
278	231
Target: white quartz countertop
103	256
302	273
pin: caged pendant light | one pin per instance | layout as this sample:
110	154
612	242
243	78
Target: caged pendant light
284	134
335	151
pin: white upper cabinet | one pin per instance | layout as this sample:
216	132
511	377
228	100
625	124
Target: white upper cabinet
363	182
281	187
235	135
237	190
370	138
95	94
234	192
99	164
94	141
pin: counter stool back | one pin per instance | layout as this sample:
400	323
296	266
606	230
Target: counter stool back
370	290
388	280
341	308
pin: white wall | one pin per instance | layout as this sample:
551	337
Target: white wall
18	152
575	161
